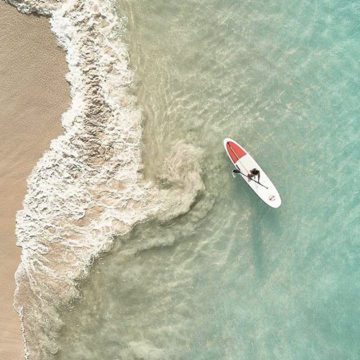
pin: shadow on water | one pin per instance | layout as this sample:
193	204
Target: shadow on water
264	221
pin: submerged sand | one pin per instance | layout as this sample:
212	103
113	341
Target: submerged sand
33	95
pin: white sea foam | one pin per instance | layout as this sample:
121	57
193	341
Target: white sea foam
88	187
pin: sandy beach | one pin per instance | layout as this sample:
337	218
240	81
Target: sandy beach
33	95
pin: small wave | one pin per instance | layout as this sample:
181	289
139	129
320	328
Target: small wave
87	189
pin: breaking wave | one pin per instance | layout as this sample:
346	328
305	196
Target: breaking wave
88	188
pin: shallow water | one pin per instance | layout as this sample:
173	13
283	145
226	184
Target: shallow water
232	278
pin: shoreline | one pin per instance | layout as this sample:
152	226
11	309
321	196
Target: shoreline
73	205
88	188
33	95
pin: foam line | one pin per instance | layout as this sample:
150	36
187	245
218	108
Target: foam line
88	187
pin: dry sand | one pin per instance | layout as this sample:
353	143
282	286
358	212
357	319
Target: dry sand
33	95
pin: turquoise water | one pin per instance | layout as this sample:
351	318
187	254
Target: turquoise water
232	278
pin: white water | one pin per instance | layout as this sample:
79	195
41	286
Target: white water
88	187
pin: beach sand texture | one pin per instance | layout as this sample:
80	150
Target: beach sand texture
33	95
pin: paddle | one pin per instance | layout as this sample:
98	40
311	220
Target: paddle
239	171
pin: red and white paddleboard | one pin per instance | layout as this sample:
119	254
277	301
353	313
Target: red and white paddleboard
243	162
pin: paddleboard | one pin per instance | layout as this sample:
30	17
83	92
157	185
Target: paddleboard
244	162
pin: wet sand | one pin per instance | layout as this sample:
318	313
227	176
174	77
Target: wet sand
33	95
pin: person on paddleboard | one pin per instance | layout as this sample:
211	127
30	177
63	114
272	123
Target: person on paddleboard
253	173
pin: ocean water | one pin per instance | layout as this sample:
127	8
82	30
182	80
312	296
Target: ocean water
232	278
